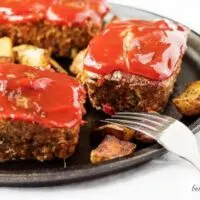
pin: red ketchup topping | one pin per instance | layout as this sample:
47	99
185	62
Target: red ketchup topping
22	11
48	98
147	48
56	11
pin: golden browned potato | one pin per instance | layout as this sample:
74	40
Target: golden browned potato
6	52
119	132
111	148
32	56
141	137
36	57
77	65
188	103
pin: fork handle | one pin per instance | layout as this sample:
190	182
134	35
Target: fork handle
181	142
191	154
195	160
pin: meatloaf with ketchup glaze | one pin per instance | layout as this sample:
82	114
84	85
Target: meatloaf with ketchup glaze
40	113
133	65
60	26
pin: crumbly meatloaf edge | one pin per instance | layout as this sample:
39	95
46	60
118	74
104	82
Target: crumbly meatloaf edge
120	91
60	40
22	140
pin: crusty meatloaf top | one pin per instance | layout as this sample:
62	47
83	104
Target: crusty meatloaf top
51	99
147	48
67	12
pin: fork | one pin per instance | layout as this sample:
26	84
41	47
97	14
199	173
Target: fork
172	134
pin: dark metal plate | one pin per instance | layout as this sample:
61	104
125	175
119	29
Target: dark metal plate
78	167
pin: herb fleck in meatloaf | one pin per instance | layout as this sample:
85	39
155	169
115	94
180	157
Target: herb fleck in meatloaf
60	26
40	113
133	65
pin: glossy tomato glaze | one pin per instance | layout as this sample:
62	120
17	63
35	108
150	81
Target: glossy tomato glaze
48	98
147	48
55	11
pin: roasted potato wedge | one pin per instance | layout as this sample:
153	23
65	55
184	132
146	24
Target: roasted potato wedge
36	57
111	148
141	137
119	132
188	103
123	133
6	51
77	65
32	56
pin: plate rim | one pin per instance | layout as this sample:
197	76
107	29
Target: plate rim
159	15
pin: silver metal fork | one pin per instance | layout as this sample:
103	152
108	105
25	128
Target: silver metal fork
172	134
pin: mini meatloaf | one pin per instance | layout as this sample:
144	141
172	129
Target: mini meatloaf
133	65
40	113
61	26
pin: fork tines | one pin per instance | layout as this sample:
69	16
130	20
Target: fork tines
149	123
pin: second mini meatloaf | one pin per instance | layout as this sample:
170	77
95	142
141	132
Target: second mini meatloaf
133	65
60	26
40	113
